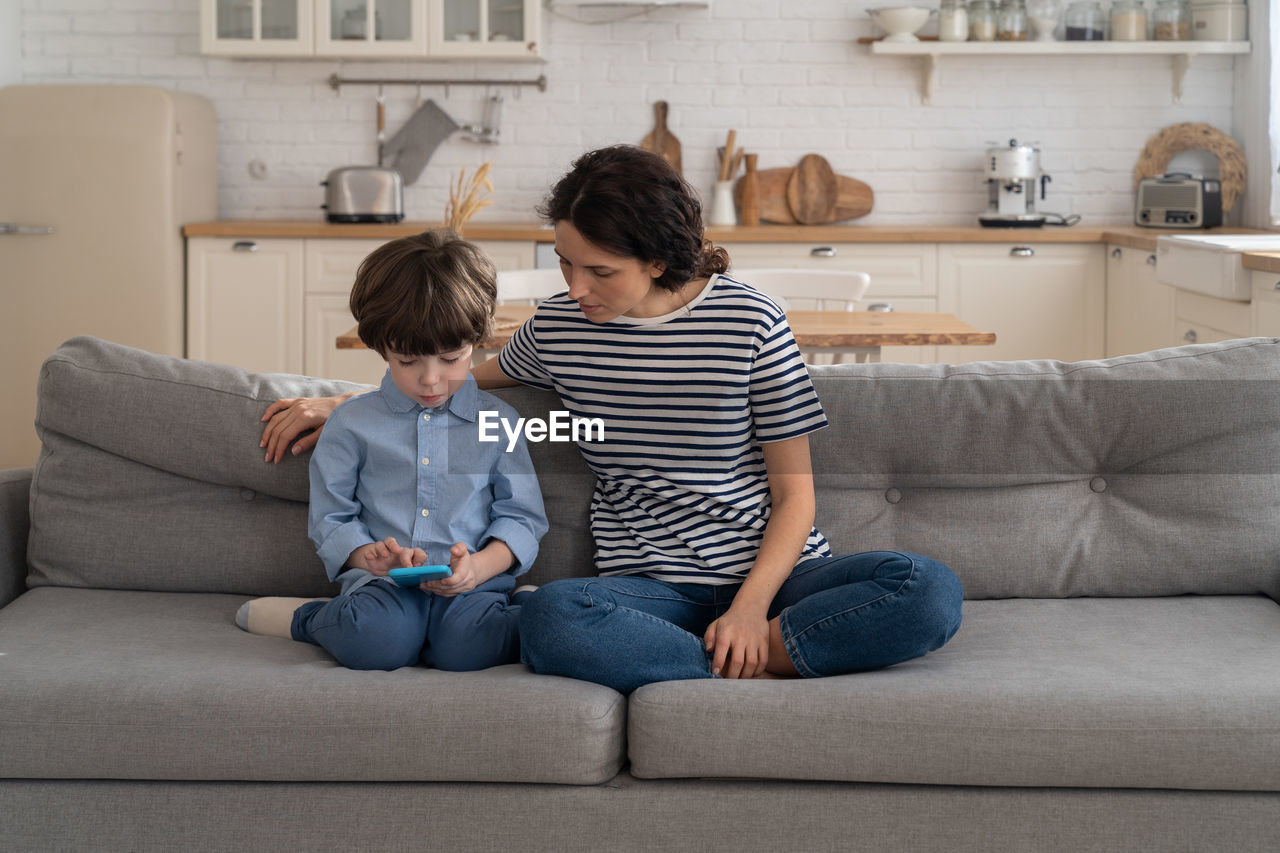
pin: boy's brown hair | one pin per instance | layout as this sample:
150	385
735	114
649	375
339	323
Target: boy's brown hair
422	295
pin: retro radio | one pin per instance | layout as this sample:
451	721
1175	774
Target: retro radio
1179	201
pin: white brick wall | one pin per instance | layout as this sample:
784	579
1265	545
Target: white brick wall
789	76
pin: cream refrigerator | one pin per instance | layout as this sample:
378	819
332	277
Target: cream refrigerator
96	183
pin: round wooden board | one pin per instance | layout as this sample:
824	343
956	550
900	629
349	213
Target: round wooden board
812	190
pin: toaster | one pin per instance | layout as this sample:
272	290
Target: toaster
1178	200
363	194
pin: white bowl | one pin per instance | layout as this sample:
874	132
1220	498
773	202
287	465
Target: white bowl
900	22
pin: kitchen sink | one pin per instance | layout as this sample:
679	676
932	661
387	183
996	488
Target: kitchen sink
1212	264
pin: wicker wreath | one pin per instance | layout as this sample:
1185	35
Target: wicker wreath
1190	136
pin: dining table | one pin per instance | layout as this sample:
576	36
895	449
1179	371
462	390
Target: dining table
859	333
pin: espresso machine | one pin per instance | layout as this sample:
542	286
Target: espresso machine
1013	173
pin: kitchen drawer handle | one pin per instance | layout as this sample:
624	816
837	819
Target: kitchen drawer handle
880	306
1151	259
1117	254
823	252
1022	251
1191	337
244	246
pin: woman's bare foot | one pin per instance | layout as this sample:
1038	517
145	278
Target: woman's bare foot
779	665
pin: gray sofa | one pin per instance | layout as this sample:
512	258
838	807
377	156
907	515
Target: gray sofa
1115	684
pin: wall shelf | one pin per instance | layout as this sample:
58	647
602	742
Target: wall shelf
930	52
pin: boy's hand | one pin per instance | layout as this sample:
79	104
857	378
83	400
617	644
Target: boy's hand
463	578
379	558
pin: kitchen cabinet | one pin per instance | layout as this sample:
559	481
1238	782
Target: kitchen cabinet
1201	319
904	276
1266	304
1042	300
330	270
1139	308
369	29
485	29
244	303
278	304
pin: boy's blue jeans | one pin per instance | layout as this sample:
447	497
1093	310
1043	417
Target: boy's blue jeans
384	626
837	614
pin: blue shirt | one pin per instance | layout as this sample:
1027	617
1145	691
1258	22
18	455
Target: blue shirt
386	466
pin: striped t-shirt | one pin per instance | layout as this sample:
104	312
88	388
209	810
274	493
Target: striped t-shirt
686	400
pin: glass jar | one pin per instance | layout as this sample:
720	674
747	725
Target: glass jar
1084	21
953	21
1128	20
982	20
1172	20
1011	22
1042	16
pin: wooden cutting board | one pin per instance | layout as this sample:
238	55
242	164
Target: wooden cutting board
811	190
660	140
853	197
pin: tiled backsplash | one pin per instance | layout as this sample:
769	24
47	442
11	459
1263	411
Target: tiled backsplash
788	76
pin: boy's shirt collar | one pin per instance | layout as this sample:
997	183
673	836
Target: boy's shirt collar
462	403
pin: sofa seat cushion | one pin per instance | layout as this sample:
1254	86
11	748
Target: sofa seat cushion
102	684
1143	693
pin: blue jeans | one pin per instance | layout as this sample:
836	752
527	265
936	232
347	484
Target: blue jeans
384	626
837	614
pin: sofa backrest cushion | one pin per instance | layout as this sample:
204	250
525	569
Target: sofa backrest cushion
1154	474
1150	474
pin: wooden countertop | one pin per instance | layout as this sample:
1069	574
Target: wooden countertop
1121	235
1263	261
1128	236
812	329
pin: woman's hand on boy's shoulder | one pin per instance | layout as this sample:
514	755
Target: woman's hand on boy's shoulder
289	418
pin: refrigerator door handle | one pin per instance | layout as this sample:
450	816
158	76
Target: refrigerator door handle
14	228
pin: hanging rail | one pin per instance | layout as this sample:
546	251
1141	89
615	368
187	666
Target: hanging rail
336	83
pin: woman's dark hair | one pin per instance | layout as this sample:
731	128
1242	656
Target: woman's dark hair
424	295
631	202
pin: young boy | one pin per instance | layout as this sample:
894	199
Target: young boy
399	478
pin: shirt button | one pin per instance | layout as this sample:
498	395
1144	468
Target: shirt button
426	417
426	512
426	461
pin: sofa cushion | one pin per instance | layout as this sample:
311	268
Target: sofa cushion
143	685
1152	474
1145	693
150	477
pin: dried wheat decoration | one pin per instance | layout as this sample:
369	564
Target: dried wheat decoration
462	207
1191	136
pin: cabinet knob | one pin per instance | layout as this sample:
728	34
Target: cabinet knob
1022	251
1278	285
1190	337
1117	253
244	246
1151	260
822	252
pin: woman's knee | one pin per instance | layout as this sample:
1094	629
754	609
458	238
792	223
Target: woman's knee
551	616
937	600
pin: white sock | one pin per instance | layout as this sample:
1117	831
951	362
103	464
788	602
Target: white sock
271	616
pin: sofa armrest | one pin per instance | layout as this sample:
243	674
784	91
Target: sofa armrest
15	521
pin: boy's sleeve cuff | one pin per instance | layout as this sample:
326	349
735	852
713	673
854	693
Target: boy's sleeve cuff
341	542
521	542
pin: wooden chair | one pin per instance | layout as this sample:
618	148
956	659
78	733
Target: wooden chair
529	287
812	290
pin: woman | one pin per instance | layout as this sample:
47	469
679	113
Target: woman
708	561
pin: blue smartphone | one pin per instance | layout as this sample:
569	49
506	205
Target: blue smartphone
417	574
